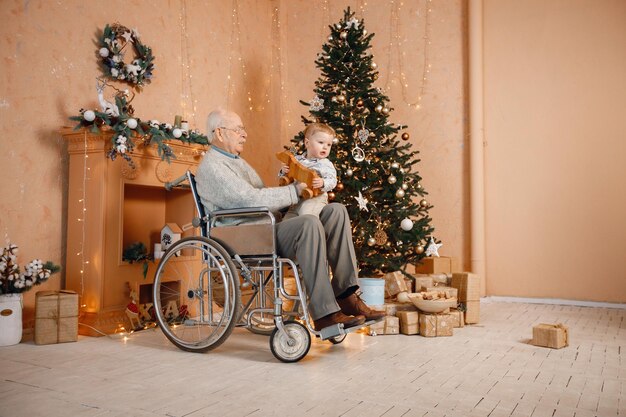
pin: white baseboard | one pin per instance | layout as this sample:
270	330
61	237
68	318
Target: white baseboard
556	301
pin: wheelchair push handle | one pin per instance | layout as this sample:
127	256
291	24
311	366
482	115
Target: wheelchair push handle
176	183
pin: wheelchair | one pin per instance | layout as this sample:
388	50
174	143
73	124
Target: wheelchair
231	276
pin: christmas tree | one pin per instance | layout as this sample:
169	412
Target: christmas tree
377	178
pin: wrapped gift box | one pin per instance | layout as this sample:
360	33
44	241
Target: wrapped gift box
423	281
436	265
392	309
458	318
472	312
439	279
389	325
550	335
56	317
410	284
468	285
394	283
409	322
436	325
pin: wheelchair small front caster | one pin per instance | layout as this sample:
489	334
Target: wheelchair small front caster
293	346
337	339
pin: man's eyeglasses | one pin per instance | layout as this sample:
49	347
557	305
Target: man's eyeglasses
240	130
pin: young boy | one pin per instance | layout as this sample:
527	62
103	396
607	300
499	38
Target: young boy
318	139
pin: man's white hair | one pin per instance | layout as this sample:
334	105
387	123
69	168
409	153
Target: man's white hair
214	120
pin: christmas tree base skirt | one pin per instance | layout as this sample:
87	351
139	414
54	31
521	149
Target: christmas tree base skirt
10	319
373	291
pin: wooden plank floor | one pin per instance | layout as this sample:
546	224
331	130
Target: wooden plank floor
487	369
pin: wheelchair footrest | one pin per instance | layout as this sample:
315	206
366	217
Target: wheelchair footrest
338	329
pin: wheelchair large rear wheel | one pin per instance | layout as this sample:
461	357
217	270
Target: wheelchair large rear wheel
196	294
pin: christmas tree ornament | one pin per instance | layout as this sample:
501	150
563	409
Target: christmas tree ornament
419	249
341	98
131	123
335	140
371	241
419	186
177	133
339	186
401	170
316	104
343	35
331	195
424	203
89	115
349	172
338	26
364	32
373	65
363	135
378	108
404	186
333	99
392	179
405	136
399	193
385	110
359	103
433	248
395	165
358	154
330	39
104	52
406	224
362	201
381	237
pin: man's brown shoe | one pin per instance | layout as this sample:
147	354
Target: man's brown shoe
353	305
338	317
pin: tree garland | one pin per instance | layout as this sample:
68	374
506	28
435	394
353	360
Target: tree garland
112	43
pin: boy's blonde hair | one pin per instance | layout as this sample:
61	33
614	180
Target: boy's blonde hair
316	127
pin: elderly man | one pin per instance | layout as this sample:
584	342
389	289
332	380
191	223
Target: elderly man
226	181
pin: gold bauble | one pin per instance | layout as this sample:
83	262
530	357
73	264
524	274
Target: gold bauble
371	241
381	237
333	99
419	186
375	76
424	203
343	35
373	65
395	165
330	39
359	103
331	195
378	108
349	172
339	186
404	186
385	110
400	193
392	179
341	98
405	136
419	249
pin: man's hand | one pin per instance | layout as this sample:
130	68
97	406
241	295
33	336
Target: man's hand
299	187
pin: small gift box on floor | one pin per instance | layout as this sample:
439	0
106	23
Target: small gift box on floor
409	322
56	317
435	325
550	335
394	283
458	318
389	325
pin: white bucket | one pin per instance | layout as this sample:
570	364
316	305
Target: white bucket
373	291
10	319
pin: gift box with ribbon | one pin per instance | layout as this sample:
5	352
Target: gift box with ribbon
56	317
554	336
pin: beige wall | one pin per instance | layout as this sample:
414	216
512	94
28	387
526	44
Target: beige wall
50	65
555	129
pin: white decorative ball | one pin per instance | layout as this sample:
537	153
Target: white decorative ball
371	241
349	172
177	133
392	179
104	52
406	224
404	186
395	165
400	193
89	115
131	123
335	141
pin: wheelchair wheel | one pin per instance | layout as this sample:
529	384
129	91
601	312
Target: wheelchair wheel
196	294
293	347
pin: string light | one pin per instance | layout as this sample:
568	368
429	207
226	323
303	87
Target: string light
396	41
186	62
82	219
